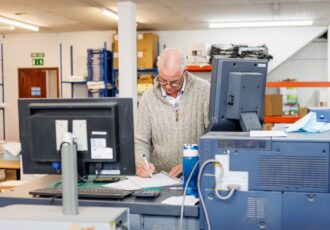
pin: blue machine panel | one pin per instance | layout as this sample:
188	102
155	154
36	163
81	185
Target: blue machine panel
306	211
288	182
288	167
246	210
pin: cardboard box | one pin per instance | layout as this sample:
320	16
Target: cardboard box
11	174
144	42
146	60
273	105
147	50
303	111
268	126
146	79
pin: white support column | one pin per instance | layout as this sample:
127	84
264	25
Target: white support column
328	102
127	51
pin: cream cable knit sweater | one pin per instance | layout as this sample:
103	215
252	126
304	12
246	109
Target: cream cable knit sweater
162	131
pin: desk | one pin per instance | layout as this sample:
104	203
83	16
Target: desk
144	213
42	217
13	165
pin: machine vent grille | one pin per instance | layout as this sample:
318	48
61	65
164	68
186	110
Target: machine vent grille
293	172
256	208
243	144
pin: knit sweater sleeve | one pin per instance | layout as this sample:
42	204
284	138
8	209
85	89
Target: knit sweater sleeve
206	96
143	145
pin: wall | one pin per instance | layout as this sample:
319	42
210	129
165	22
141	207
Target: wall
281	42
308	64
295	55
17	51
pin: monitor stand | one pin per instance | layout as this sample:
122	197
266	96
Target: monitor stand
249	121
69	175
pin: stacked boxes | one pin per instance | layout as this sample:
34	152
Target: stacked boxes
145	82
290	101
273	105
147	50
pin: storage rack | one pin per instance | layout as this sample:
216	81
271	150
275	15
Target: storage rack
72	83
99	66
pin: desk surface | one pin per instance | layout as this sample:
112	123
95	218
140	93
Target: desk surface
144	206
6	164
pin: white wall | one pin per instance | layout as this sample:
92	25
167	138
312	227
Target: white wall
308	64
281	42
17	51
287	45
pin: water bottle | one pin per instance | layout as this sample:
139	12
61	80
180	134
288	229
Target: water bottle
190	158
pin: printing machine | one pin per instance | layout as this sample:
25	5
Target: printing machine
283	181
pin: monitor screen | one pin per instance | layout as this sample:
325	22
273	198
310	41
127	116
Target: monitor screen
103	130
237	94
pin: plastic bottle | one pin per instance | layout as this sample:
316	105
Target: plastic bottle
190	158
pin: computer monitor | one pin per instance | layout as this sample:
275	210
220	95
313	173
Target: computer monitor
103	128
237	94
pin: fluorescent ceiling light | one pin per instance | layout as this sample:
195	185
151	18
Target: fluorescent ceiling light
18	24
260	24
110	14
10	28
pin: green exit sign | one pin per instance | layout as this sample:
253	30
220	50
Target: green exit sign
37	61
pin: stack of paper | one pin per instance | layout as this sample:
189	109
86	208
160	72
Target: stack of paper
266	133
136	182
177	200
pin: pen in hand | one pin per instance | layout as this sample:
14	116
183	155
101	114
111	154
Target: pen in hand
147	164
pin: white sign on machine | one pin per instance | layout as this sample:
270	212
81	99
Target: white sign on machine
227	177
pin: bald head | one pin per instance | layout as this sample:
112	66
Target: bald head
171	60
171	70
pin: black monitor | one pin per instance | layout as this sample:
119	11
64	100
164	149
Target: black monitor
237	94
103	128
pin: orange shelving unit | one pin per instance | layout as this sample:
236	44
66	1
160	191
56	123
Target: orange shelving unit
298	84
197	68
281	119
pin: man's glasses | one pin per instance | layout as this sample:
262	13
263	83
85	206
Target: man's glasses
173	84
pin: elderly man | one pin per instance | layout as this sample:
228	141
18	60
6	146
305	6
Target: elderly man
172	113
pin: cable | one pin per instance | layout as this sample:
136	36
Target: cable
52	200
218	195
184	193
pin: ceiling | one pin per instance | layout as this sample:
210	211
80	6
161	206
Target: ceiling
85	15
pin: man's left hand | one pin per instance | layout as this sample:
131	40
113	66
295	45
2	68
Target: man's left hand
176	171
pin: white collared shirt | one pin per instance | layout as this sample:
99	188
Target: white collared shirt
174	101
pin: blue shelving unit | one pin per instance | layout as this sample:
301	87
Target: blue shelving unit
99	66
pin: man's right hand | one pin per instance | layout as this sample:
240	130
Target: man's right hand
142	169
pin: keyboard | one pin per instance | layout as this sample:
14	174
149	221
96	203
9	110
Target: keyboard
97	193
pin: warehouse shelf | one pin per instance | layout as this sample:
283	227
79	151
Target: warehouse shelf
100	67
298	84
281	119
199	68
74	82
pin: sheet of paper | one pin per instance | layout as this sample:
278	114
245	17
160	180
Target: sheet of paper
123	185
157	180
13	148
177	200
264	133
